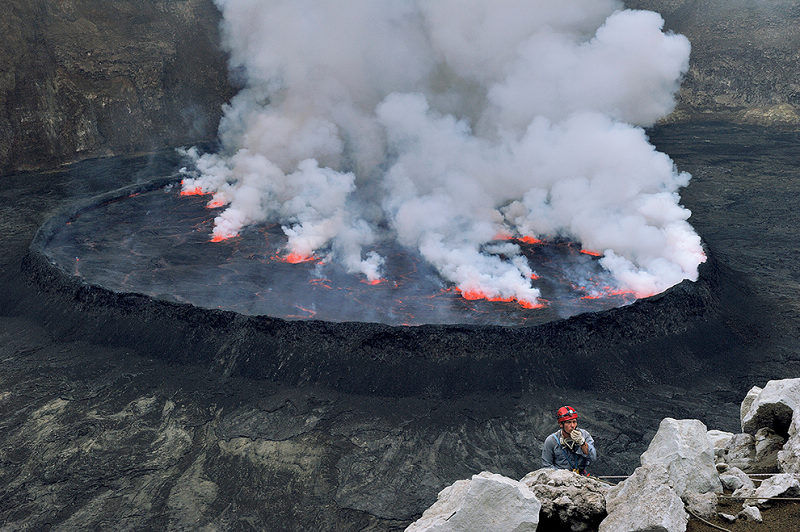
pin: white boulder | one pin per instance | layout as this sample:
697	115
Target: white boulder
488	502
644	501
683	448
569	501
781	485
773	407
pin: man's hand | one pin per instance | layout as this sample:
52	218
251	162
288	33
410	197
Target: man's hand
577	437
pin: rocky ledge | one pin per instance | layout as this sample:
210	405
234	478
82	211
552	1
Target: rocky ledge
685	471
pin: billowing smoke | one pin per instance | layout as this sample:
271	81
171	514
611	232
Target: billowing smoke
444	124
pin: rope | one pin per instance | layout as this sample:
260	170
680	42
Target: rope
712	525
739	497
765	475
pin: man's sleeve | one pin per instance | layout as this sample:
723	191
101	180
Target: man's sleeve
548	457
592	454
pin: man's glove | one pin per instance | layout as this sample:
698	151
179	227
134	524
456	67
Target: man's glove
577	437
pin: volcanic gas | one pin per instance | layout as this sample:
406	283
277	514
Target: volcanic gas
369	127
157	243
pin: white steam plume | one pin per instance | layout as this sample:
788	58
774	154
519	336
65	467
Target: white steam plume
451	122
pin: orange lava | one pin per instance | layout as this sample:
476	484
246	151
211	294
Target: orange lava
294	258
503	236
220	238
534	277
473	295
530	240
592	253
214	204
196	191
373	282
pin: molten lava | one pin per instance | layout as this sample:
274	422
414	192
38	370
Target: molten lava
591	253
473	295
295	258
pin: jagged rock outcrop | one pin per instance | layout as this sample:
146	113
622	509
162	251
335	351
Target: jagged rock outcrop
682	447
569	501
486	502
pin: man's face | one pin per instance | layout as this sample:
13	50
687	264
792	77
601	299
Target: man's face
569	426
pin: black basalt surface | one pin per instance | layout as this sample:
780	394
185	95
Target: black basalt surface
614	348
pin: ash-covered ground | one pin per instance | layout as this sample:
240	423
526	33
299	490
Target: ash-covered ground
94	435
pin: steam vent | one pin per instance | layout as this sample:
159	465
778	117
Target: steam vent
139	261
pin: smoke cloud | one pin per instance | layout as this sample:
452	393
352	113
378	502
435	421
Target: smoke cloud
445	124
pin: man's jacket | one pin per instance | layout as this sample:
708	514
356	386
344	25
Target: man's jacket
558	456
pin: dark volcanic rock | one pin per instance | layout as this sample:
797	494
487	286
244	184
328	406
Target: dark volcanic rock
744	62
85	78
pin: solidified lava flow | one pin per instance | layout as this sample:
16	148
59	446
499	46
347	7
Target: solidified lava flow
159	244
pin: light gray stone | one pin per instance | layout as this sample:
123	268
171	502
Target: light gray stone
487	501
780	485
576	502
719	441
701	504
683	448
767	445
647	488
773	407
734	478
741	451
751	513
747	403
789	455
719	438
727	517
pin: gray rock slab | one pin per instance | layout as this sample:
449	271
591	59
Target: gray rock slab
780	485
485	502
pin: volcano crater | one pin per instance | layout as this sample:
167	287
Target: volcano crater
455	345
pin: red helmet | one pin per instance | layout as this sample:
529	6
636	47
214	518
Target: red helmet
566	413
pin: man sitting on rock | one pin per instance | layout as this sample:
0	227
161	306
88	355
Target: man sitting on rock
569	448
